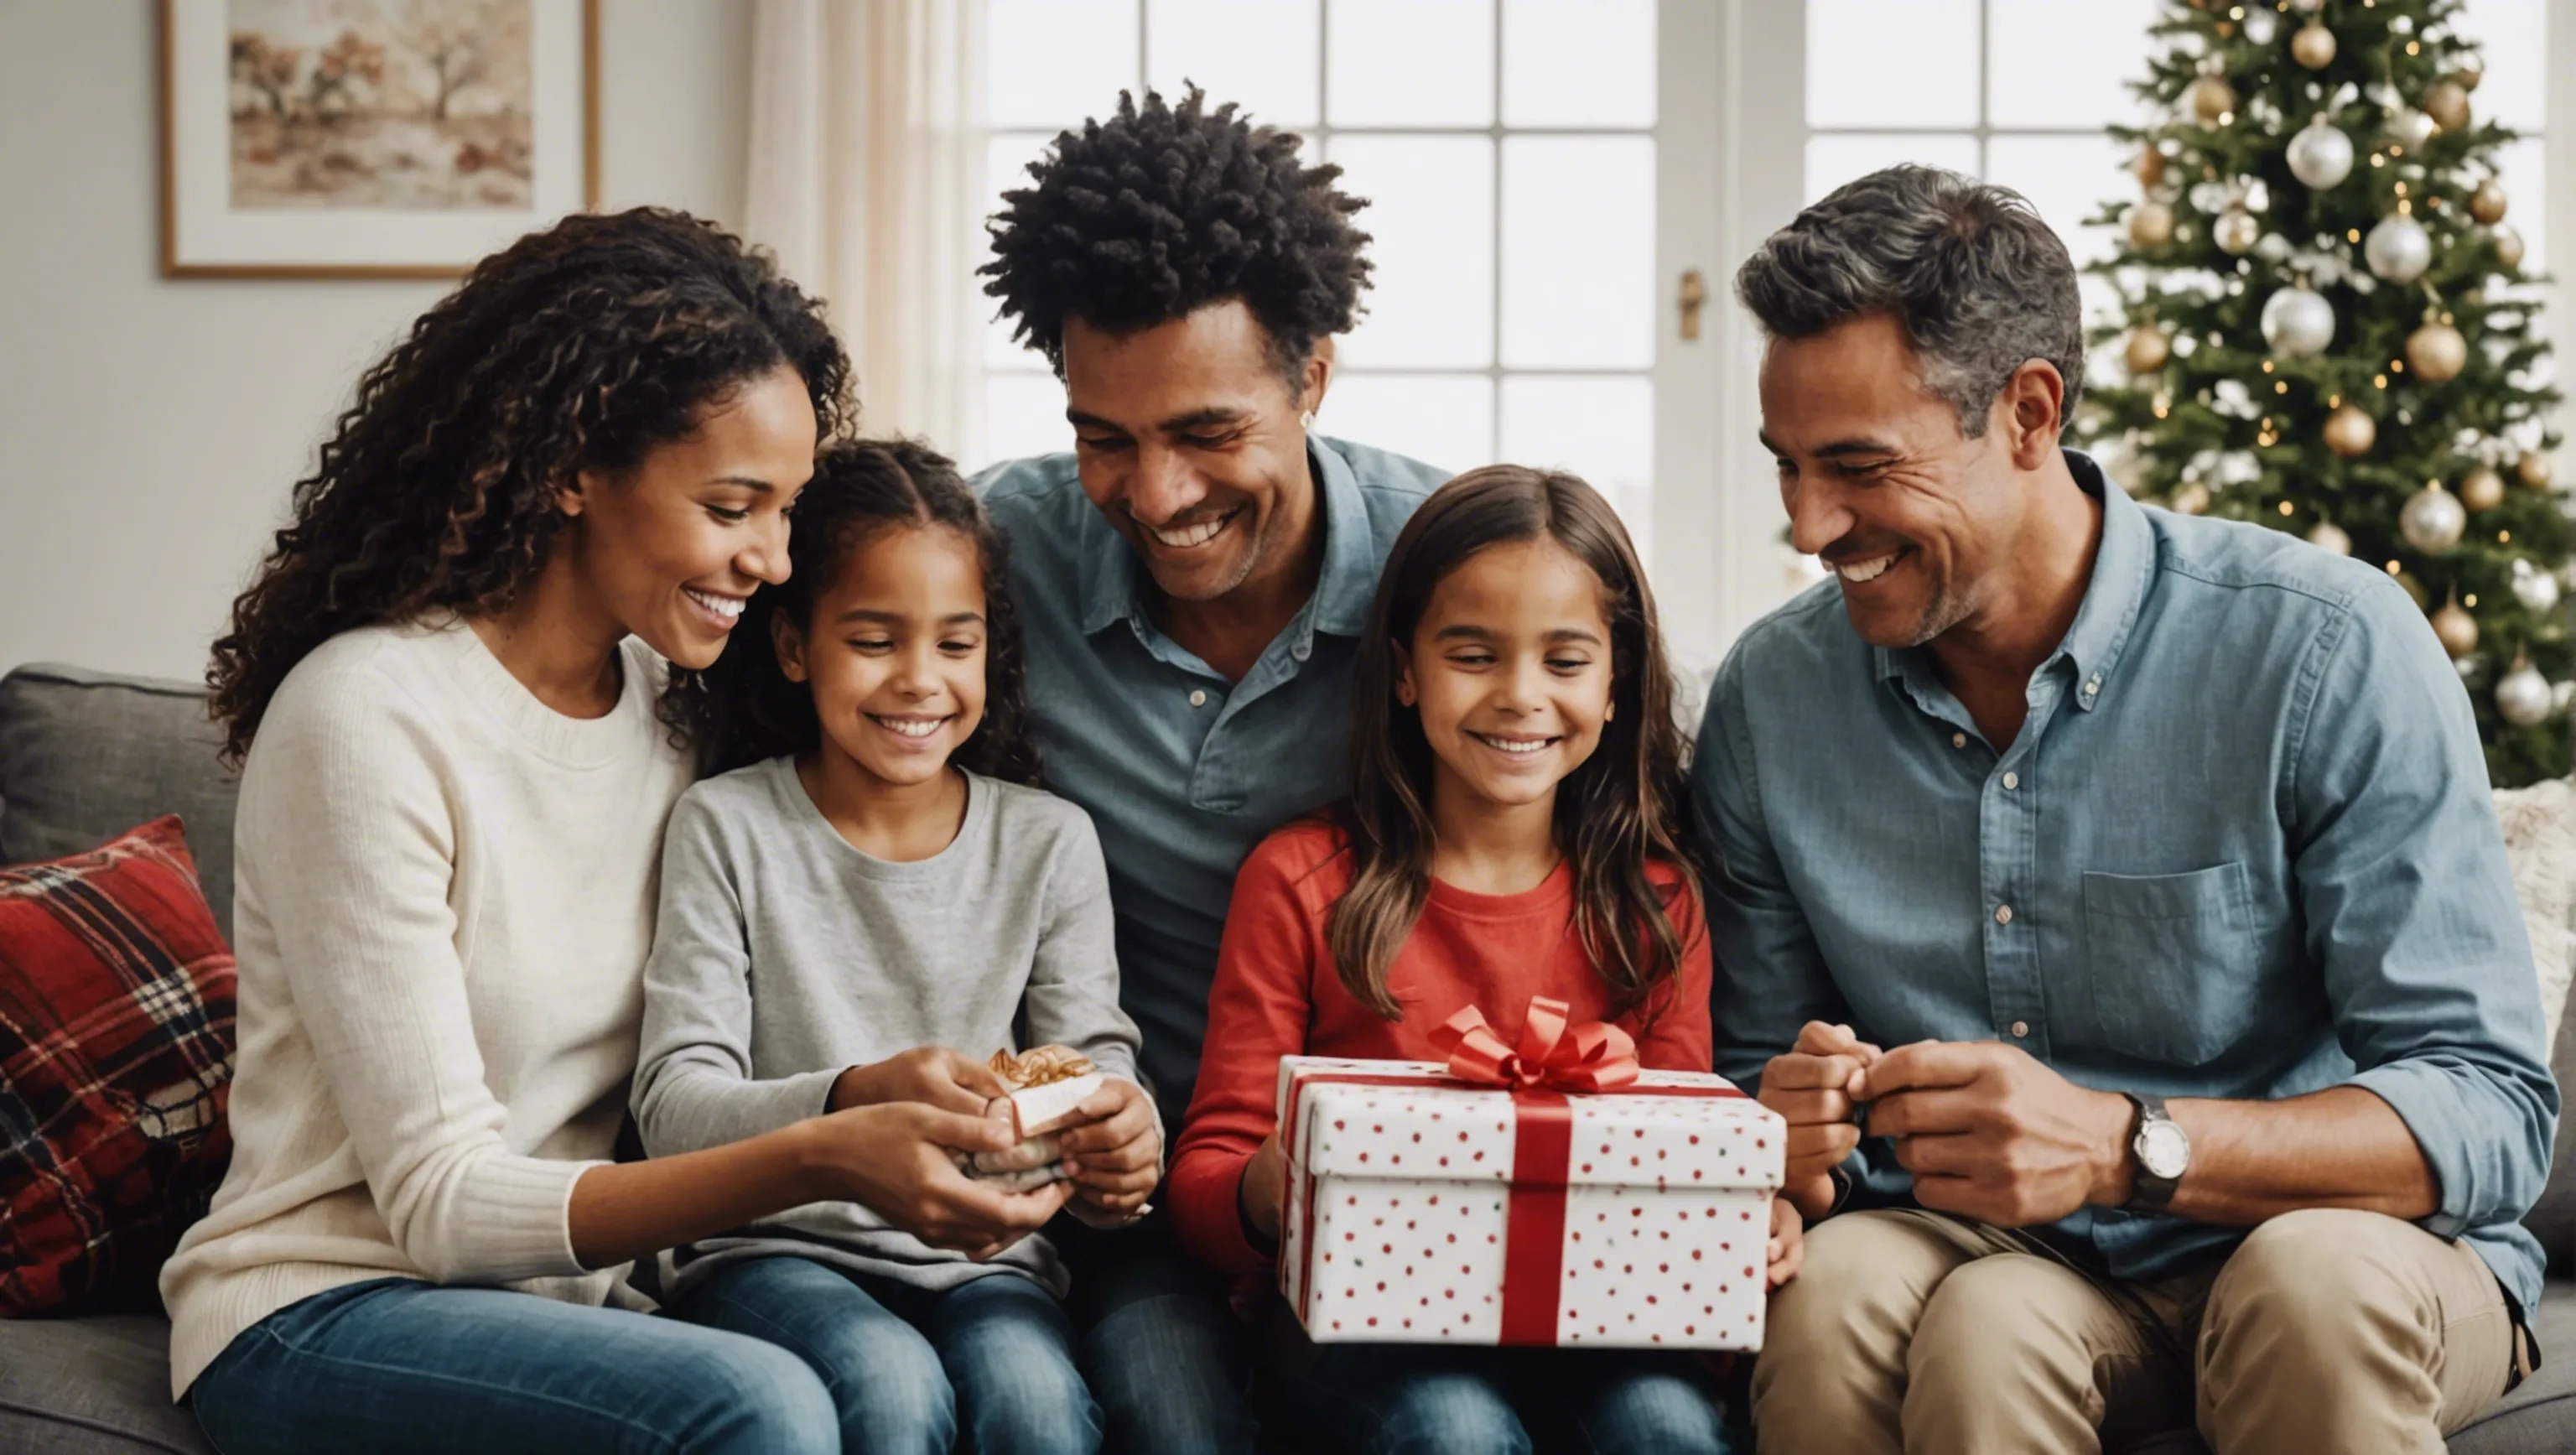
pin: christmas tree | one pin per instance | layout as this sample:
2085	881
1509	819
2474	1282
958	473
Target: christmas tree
2327	328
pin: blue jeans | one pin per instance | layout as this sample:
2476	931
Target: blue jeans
908	1366
1167	1359
1434	1399
408	1368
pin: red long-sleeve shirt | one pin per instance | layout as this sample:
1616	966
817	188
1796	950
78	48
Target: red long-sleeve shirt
1277	994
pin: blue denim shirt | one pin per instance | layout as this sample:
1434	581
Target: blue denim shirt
2245	838
1182	770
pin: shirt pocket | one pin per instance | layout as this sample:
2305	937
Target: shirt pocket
2172	962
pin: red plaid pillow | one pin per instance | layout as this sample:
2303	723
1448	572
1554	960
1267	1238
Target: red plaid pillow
116	1045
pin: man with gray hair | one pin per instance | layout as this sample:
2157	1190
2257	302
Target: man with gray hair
2160	852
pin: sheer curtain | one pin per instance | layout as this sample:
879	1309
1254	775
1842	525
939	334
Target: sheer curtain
866	176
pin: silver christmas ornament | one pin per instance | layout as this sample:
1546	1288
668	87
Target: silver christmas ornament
2535	589
2432	520
2329	536
2321	154
2298	323
2262	26
2397	249
2307	7
2524	697
2236	231
2409	127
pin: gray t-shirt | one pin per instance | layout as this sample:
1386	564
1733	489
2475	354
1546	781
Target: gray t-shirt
783	956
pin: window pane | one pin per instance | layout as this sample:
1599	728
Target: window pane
1411	63
1050	63
1578	62
1579	252
2067	178
1835	159
1262	54
1431	223
1443	420
1601	429
1023	415
2049	63
2522	168
2513	35
1893	62
1006	159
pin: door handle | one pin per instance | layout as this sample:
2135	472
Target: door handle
1694	293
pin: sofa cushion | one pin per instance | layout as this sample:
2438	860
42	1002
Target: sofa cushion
94	1386
86	755
116	1042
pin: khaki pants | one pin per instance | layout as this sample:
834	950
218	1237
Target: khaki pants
2324	1331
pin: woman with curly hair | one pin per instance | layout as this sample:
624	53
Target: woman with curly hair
543	513
883	895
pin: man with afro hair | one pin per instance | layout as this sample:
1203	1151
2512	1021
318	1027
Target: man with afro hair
1193	578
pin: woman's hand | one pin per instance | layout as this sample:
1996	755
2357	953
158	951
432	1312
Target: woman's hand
895	1159
932	1075
1114	1155
1264	1185
1788	1248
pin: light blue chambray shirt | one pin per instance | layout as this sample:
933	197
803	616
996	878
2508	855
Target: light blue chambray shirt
1181	770
2244	838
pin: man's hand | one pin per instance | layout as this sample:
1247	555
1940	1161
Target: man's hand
1814	1088
895	1159
1114	1155
932	1075
1788	1248
1264	1187
1991	1133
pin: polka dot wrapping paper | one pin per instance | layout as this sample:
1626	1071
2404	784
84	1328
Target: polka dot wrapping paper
1411	1219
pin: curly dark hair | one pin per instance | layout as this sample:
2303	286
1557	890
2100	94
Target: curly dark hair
752	711
581	347
1162	210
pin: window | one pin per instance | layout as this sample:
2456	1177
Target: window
1509	152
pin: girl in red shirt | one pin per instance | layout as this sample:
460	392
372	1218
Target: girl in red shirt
1515	778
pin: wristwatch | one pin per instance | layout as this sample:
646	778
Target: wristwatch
2163	1150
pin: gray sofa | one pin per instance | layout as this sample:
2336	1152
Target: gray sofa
84	756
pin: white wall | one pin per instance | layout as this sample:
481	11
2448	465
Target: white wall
149	427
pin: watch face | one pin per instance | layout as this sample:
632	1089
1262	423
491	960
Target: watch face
2163	1150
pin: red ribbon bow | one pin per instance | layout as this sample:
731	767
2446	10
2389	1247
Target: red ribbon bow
1554	1052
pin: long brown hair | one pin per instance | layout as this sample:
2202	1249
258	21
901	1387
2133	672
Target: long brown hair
1614	814
861	488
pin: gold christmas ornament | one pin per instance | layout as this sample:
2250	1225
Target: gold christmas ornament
2487	204
2457	629
2212	98
2533	470
2148	349
2350	433
2151	224
2508	248
2329	536
2236	232
2313	46
2431	519
2436	353
2447	102
2151	168
2468	70
2483	489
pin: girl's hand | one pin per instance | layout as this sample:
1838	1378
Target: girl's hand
1264	1185
1788	1249
1115	1156
932	1075
895	1159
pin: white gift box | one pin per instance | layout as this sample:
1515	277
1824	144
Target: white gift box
1642	1217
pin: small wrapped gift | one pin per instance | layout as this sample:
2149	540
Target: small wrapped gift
1047	1083
1546	1194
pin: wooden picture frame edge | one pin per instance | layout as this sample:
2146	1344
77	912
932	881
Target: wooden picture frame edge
171	267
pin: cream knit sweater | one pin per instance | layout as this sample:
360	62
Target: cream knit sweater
444	903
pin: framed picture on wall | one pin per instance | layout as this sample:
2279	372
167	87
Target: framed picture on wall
371	138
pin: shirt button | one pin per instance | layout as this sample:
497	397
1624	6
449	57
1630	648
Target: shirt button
2003	914
1301	651
1958	740
1198	698
2093	686
2021	1030
2011	781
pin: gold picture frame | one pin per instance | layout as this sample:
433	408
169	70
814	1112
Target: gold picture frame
371	138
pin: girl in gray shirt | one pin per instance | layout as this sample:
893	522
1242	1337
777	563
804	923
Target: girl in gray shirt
878	901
